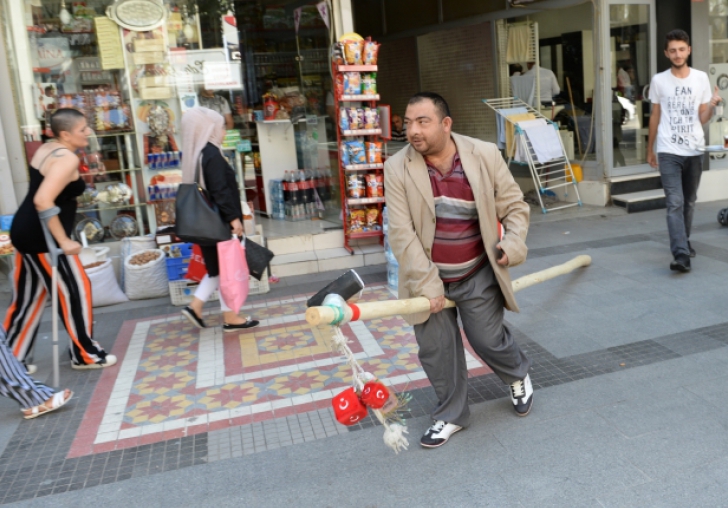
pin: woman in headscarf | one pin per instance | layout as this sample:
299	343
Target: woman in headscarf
202	133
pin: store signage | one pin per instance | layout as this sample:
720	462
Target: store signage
53	52
138	15
208	67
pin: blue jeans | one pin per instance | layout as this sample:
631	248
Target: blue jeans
680	176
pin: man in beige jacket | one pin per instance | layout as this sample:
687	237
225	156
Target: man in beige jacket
446	196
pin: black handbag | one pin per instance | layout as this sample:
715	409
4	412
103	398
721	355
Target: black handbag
197	218
258	258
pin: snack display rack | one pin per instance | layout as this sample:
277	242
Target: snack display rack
348	171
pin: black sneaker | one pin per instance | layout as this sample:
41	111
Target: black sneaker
692	251
250	323
438	434
522	396
680	264
193	317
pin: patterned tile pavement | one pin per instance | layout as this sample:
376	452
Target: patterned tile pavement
175	400
175	380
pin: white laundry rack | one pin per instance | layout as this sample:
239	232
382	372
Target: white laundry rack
554	174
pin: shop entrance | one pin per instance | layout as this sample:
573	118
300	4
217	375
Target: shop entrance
631	60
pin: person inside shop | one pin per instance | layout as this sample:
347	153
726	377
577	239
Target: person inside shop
624	80
438	190
203	131
210	100
399	132
681	104
55	182
515	69
35	399
549	85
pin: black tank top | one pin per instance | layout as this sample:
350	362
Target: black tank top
26	233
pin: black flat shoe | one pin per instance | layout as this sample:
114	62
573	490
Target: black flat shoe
250	323
193	318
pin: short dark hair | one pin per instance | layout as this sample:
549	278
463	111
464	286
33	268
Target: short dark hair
440	104
65	119
677	35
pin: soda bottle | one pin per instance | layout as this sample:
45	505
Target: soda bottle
303	194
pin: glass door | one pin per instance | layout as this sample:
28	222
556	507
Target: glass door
631	50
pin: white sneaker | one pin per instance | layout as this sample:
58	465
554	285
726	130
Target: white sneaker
31	369
522	395
438	434
106	362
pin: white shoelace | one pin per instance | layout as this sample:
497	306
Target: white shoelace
518	389
439	425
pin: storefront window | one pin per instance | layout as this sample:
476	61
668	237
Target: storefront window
629	44
256	65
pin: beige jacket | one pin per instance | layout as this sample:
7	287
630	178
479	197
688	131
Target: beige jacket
411	209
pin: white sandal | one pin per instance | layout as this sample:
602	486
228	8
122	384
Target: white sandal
58	400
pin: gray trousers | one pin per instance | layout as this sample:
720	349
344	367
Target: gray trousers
680	177
480	304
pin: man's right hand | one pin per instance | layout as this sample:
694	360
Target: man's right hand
437	304
652	159
71	247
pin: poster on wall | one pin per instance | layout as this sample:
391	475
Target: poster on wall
208	68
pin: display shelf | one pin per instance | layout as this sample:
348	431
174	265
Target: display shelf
362	132
359	98
111	172
366	234
357	68
106	134
109	207
363	167
364	201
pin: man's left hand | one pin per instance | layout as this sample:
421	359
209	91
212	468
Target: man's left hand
716	99
502	257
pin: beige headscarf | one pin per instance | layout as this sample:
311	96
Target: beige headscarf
199	127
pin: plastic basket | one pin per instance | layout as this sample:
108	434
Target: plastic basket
177	268
182	291
258	287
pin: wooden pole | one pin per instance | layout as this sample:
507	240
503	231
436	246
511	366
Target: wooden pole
374	310
573	113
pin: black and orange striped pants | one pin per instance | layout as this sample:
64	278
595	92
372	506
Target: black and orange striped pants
31	289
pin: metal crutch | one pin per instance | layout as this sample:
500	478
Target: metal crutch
54	251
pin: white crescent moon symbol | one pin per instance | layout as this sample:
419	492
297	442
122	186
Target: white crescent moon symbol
354	419
343	404
380	394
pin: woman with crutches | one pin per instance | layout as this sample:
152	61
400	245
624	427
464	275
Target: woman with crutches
35	399
55	182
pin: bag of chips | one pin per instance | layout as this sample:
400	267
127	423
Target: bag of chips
344	154
371	118
371	52
357	219
372	218
337	53
353	52
352	83
374	152
343	120
356	118
357	153
369	84
375	187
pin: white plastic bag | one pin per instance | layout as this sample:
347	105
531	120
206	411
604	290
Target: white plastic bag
148	280
104	288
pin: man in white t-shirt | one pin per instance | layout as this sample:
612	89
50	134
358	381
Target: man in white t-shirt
549	84
681	104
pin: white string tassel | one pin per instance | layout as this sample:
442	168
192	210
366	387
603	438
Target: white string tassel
393	432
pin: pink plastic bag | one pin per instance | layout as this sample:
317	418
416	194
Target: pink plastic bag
234	274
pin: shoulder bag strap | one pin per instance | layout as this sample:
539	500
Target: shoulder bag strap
198	170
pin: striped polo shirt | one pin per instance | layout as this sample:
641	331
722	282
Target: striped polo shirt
458	250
